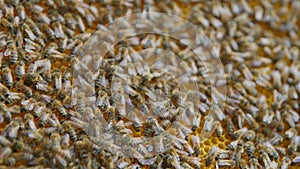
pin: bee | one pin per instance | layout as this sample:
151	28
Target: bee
193	161
25	89
62	43
186	166
286	162
276	139
29	122
243	164
273	154
291	133
264	156
6	24
226	163
13	98
19	120
80	23
249	135
35	136
20	70
66	75
232	145
23	156
7	77
58	30
65	142
55	138
173	161
29	34
10	161
292	148
21	11
246	71
219	130
28	105
60	108
33	27
253	162
4	141
102	101
71	131
43	120
224	154
250	148
38	109
182	130
296	160
280	150
43	87
4	91
176	98
196	144
208	123
254	125
211	155
70	21
49	32
166	124
7	116
229	124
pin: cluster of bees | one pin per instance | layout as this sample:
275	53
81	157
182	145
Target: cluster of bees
140	109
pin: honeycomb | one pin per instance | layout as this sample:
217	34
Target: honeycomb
80	146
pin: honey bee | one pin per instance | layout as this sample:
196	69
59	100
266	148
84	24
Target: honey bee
55	138
49	32
71	131
19	120
224	154
62	43
21	11
230	126
29	122
211	155
43	87
250	148
173	161
208	123
219	130
80	23
13	98
60	108
4	141
196	144
10	161
38	109
7	77
286	162
23	156
43	120
21	87
70	21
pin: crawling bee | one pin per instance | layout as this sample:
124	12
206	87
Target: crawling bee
249	147
60	108
70	21
5	142
71	131
43	120
7	77
43	87
211	155
38	109
22	87
219	130
229	124
29	122
49	32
